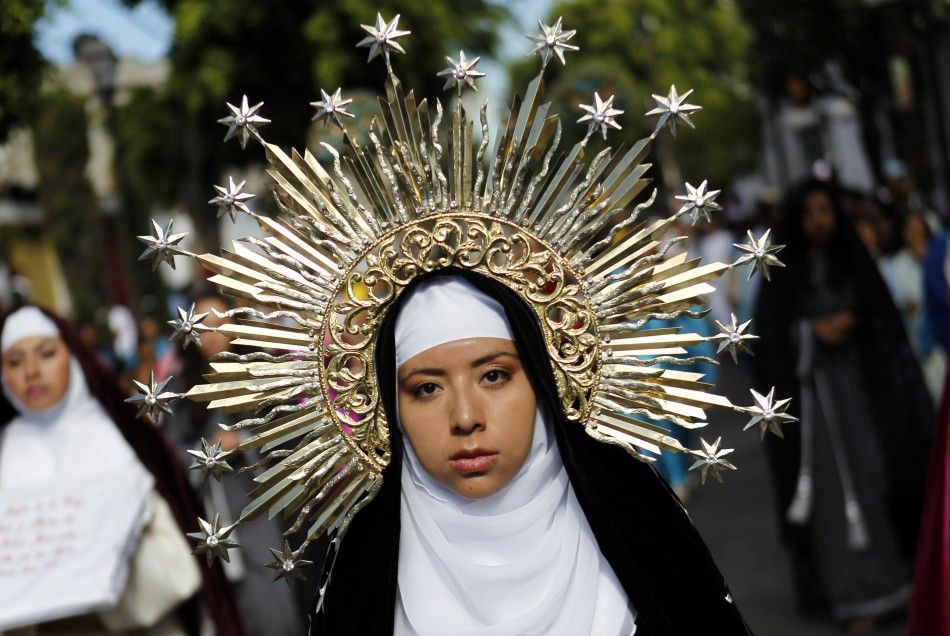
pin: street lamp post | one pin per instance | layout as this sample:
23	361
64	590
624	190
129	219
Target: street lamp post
102	64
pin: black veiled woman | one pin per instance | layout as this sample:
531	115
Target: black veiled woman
502	517
849	479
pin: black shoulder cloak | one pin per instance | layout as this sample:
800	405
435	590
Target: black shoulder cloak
640	525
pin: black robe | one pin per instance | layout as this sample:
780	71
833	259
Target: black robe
901	411
640	526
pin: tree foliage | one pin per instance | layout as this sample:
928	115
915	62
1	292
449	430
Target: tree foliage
70	207
636	48
282	56
21	64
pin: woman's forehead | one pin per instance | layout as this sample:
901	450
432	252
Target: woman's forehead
462	352
31	343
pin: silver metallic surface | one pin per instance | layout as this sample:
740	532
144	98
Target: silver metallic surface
600	114
552	40
231	199
671	108
711	460
161	244
244	121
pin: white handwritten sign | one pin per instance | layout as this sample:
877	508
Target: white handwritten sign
65	545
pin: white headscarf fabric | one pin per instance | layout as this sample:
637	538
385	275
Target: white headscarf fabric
73	437
521	561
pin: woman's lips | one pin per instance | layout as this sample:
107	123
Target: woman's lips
34	392
469	462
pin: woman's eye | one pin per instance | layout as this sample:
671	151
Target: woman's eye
496	376
426	389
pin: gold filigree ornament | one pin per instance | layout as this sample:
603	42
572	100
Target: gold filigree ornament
564	234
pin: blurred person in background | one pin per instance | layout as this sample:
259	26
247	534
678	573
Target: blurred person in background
849	479
124	337
904	275
62	418
270	609
930	607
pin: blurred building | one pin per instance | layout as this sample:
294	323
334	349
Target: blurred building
880	120
31	262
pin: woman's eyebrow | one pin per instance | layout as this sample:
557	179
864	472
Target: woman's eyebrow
423	371
44	342
491	356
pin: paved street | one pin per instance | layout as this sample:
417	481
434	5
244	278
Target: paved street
738	523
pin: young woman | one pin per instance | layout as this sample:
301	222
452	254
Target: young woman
511	520
62	418
849	479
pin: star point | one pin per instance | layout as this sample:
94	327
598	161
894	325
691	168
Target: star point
711	460
671	108
600	114
287	566
732	338
698	202
331	108
231	199
210	460
244	121
187	326
761	253
161	245
460	73
552	40
152	399
768	413
382	38
213	540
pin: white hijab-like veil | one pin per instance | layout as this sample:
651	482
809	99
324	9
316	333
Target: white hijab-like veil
521	561
73	437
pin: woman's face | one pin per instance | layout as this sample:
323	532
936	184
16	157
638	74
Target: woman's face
818	218
36	370
467	408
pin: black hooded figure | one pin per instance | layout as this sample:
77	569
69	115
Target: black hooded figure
640	526
849	477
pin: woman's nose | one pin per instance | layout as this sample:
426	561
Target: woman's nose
31	367
468	414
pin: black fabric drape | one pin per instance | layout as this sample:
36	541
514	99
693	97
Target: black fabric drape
640	526
903	413
171	481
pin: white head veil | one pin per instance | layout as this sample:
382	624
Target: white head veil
71	438
521	561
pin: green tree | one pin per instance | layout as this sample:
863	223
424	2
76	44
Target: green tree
225	48
21	65
635	48
70	209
